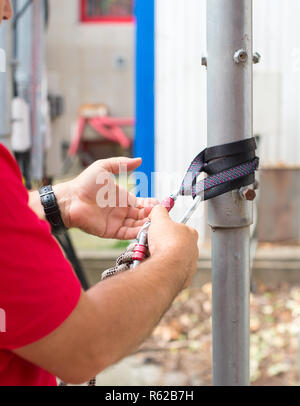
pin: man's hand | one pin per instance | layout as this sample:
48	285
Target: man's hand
81	208
175	242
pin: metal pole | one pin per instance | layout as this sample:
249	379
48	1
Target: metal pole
23	48
229	64
38	88
5	81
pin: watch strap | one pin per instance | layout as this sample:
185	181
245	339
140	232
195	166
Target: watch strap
51	208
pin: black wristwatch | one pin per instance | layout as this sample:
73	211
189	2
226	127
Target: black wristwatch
52	211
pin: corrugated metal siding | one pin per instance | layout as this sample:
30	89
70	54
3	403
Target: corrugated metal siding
181	85
277	80
180	91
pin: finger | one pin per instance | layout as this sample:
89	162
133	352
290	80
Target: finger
141	202
147	211
159	213
131	223
139	214
146	202
126	233
114	165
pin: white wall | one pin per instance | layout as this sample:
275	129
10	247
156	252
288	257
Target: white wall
180	93
277	80
181	84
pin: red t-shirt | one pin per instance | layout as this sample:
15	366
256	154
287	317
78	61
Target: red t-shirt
38	288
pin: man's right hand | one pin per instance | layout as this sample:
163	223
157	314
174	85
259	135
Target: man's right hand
174	243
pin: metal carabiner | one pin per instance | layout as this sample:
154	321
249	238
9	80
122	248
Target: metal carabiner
141	248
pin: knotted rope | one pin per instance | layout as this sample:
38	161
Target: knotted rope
123	263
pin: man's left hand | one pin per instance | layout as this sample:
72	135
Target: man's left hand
82	209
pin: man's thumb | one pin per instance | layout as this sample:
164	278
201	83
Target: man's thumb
159	213
117	165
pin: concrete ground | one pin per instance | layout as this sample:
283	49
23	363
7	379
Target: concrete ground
179	352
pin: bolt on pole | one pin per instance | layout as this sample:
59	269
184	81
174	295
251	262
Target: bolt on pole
230	119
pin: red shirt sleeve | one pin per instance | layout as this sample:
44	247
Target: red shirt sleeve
38	287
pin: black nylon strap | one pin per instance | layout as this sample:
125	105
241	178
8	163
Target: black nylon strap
229	166
228	162
232	148
229	186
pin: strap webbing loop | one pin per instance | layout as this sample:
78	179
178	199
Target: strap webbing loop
230	167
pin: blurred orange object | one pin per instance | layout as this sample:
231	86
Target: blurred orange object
108	128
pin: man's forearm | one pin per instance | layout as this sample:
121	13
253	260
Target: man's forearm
110	321
35	204
127	307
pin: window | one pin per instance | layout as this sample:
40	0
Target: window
107	10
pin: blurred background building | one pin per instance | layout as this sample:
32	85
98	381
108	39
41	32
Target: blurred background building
90	60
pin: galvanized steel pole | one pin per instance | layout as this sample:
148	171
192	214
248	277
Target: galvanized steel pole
23	50
38	88
5	81
229	67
